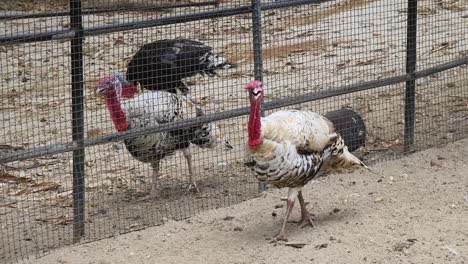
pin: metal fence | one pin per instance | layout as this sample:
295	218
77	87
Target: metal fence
65	174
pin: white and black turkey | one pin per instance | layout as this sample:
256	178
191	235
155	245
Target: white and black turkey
288	149
152	109
163	64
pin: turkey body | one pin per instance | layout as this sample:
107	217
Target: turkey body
155	108
295	145
162	65
152	109
288	149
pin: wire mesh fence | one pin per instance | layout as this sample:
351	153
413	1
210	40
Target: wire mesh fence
73	169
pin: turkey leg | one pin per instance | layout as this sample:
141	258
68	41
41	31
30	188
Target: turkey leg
306	218
154	184
292	194
188	156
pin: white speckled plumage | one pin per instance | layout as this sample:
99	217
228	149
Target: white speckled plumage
152	109
295	145
159	107
289	148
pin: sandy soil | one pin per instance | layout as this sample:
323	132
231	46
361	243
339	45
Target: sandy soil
309	48
398	213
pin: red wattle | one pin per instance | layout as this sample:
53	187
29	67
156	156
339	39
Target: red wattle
115	109
255	125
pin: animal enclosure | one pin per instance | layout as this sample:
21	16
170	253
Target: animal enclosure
65	173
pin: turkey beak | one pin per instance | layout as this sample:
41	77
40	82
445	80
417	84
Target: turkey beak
100	89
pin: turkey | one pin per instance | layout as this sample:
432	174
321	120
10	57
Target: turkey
288	148
162	65
350	126
152	109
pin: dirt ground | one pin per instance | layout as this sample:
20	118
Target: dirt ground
411	210
306	49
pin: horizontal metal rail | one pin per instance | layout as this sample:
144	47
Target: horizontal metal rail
92	11
362	86
220	12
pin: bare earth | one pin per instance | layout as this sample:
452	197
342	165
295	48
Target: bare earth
310	48
411	210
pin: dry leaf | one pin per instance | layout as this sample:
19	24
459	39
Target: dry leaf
45	186
21	192
60	220
94	132
296	244
9	205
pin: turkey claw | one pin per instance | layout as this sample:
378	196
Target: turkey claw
307	220
193	186
278	238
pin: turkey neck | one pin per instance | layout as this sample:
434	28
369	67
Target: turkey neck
255	124
115	109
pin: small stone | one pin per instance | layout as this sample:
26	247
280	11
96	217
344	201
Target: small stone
453	206
379	199
238	229
274	214
279	206
332	238
117	146
336	210
436	163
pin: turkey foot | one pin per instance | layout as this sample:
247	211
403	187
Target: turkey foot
280	237
306	218
193	185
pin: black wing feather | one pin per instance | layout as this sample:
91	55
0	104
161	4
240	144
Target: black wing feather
163	64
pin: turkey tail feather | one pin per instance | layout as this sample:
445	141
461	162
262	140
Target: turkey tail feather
341	158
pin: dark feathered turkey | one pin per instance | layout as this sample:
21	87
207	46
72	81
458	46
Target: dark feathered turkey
162	65
350	126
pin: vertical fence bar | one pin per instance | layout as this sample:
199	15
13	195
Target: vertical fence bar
257	50
411	37
77	119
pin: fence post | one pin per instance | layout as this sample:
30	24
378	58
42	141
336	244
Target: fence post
257	50
411	38
77	119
